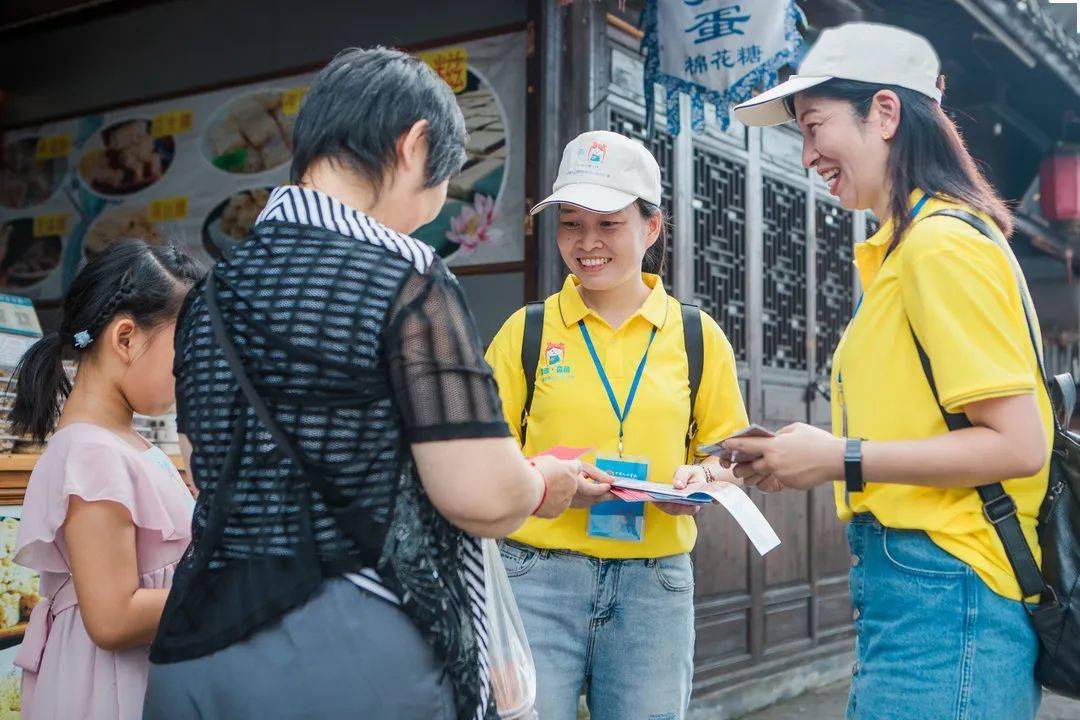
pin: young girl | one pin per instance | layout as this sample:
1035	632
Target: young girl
941	629
106	515
606	590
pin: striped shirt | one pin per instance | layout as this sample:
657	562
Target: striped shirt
358	338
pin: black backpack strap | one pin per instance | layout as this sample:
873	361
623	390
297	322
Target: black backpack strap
998	506
695	361
530	358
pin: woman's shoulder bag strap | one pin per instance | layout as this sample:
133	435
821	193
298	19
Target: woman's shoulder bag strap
998	506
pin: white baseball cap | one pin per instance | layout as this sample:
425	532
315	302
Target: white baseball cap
867	52
604	172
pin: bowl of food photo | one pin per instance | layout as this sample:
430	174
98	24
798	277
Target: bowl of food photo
249	134
26	259
122	222
231	220
125	158
25	179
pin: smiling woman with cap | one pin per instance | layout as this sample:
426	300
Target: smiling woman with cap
606	590
938	342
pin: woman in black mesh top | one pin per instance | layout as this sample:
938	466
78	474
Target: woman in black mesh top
345	434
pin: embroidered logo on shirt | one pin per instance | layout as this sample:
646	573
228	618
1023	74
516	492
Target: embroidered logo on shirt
555	353
555	365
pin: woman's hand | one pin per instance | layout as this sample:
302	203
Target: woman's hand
678	508
801	456
689	476
694	477
686	476
594	486
569	481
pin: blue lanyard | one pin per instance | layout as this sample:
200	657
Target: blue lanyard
620	414
858	303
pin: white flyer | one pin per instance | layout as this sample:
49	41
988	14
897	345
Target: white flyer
747	514
732	497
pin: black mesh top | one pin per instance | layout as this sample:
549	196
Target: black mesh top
359	340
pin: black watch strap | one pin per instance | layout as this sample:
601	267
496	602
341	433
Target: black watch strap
853	478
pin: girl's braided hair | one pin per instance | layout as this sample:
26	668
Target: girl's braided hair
145	282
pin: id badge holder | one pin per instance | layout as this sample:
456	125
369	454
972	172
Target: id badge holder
618	519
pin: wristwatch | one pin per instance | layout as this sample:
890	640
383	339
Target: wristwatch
853	465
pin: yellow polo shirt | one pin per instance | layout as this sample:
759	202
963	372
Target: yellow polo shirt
570	406
958	290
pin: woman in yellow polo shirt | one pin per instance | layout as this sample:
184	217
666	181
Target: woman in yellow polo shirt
941	628
606	590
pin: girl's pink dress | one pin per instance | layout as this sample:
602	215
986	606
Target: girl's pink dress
66	676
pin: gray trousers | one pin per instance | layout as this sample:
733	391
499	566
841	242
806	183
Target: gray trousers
343	654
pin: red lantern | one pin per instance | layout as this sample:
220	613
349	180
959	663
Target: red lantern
1059	185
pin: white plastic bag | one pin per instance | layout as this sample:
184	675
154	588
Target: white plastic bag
513	675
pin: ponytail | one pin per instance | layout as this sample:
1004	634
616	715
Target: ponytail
131	278
41	386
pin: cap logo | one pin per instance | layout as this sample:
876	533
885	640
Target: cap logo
597	153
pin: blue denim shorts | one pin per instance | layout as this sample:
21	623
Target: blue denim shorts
933	642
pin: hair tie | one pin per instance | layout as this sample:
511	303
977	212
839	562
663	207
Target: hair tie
82	339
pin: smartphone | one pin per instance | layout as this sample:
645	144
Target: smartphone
718	449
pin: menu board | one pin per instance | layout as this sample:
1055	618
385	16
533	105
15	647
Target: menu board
197	169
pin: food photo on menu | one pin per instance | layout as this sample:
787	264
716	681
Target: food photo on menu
250	134
125	158
26	257
231	220
27	179
117	223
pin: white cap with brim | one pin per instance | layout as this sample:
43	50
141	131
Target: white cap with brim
865	52
604	172
588	196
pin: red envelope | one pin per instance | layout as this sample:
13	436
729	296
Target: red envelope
564	452
631	495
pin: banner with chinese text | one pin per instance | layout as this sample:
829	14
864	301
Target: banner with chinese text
715	51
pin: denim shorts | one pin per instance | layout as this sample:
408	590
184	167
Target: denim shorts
933	642
622	628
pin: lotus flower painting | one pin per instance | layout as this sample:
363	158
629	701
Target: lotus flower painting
474	225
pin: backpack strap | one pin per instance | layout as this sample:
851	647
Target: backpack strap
998	506
530	358
695	360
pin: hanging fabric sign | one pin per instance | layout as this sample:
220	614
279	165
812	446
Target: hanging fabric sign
715	51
